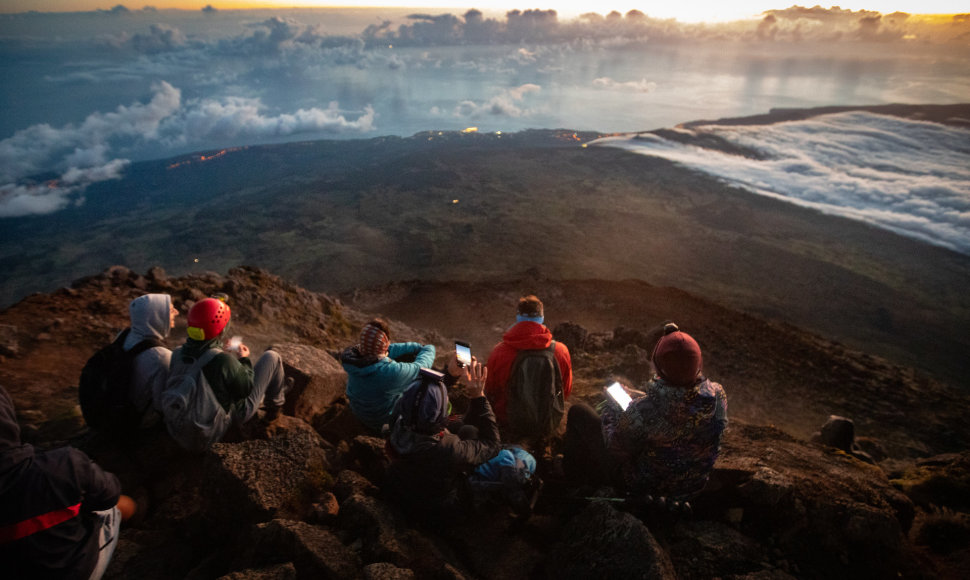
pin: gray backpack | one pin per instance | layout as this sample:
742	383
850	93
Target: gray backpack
193	416
535	393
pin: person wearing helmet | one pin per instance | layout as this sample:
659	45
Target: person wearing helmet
664	444
239	386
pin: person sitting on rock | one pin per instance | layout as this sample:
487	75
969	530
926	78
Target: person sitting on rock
427	459
665	443
378	372
238	386
152	318
527	334
60	513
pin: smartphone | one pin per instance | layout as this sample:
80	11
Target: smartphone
234	343
464	352
618	394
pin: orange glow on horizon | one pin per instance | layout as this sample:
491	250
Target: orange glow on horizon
685	11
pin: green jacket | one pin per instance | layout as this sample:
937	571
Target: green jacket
231	378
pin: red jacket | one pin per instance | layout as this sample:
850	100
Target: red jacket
524	335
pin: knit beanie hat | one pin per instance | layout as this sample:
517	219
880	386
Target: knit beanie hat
530	308
373	339
424	405
677	357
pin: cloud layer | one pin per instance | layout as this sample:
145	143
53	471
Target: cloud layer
907	176
92	91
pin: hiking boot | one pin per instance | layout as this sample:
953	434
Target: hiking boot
271	413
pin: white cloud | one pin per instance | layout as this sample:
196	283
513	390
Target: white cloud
508	103
81	154
640	86
17	201
908	176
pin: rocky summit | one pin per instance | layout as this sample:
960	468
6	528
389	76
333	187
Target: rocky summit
305	496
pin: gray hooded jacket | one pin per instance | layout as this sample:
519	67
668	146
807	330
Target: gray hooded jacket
150	318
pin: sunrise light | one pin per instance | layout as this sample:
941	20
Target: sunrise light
684	11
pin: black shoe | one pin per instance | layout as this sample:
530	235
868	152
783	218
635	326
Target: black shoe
271	414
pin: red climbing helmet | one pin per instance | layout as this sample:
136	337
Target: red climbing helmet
677	357
207	318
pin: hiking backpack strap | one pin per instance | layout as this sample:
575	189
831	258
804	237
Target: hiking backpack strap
189	368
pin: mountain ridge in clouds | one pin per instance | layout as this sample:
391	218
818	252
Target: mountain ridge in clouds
900	167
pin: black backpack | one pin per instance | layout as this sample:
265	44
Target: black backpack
105	381
535	393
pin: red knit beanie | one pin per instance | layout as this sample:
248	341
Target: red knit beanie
677	358
373	339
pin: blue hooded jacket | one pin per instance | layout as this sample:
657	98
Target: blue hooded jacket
374	385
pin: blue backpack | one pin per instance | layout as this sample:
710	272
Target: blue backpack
509	478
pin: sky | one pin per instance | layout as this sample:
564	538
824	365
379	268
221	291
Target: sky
682	10
85	95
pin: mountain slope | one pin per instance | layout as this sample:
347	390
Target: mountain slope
334	216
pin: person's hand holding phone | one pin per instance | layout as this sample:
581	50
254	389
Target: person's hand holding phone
454	367
475	375
236	345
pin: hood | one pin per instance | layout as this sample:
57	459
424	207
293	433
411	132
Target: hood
150	318
356	363
12	451
528	335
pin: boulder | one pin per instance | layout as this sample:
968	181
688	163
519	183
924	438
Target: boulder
941	480
381	529
385	571
386	536
572	335
350	483
825	511
313	551
9	345
318	379
601	542
278	572
256	480
705	549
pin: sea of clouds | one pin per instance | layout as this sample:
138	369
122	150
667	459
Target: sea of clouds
911	177
86	94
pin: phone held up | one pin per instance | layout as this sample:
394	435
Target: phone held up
464	352
619	395
234	343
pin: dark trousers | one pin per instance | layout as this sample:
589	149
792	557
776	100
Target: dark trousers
584	453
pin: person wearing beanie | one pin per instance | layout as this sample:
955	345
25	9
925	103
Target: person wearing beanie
239	386
378	372
665	443
427	459
528	333
60	513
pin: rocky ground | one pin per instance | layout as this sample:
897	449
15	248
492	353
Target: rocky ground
303	498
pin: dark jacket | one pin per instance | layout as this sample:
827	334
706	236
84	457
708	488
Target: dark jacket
47	529
426	467
232	379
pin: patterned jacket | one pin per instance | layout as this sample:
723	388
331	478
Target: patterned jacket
666	442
